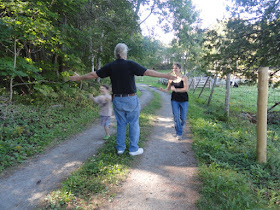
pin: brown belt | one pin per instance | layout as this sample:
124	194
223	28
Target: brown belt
123	95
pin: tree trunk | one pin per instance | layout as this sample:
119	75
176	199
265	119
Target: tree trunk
15	65
227	95
63	49
99	64
91	54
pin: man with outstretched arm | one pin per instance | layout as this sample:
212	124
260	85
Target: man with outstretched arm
125	101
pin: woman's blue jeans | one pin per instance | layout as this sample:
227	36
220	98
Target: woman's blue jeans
180	110
127	111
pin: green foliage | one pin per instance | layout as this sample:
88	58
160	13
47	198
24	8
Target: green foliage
55	37
25	69
260	32
186	47
27	130
7	67
246	41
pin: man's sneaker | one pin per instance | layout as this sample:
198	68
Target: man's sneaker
138	152
179	137
120	152
106	137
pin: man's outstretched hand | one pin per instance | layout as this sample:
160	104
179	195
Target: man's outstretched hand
171	77
75	77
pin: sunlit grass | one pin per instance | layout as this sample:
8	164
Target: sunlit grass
242	99
226	150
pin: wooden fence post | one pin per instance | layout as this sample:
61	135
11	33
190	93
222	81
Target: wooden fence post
262	114
212	90
197	84
203	87
191	83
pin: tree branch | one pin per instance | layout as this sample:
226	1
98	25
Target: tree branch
6	47
152	9
39	82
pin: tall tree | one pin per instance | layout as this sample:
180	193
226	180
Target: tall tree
254	32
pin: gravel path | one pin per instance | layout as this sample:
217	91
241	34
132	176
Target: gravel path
164	177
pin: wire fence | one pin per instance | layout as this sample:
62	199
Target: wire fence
243	98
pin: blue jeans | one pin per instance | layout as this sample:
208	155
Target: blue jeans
180	110
127	111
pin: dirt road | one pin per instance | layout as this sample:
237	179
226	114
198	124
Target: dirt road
164	177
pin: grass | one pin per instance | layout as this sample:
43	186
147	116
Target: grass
28	129
98	178
226	151
242	99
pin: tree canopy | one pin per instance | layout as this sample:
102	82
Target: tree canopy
43	42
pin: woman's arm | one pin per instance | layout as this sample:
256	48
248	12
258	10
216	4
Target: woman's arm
167	89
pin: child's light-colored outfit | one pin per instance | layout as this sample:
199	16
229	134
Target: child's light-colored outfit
105	112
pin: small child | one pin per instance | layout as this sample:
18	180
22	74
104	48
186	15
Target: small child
104	101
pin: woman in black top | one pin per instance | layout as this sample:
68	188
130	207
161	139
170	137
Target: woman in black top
179	99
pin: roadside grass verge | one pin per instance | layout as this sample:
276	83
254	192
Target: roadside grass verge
97	180
226	152
26	130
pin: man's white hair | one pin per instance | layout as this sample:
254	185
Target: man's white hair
121	50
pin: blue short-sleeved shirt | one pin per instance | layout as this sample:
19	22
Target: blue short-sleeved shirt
122	74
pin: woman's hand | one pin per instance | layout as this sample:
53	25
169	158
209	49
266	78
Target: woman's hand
173	88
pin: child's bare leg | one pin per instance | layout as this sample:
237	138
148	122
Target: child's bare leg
107	131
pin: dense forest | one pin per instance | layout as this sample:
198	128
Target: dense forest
43	42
